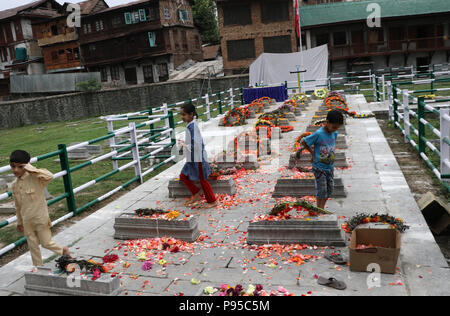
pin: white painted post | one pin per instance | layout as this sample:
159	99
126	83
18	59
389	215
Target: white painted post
135	151
406	116
412	72
112	142
383	82
208	109
445	148
374	85
231	98
166	112
390	101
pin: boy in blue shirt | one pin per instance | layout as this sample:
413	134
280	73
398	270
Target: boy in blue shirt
324	142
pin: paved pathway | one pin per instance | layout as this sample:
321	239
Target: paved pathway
374	183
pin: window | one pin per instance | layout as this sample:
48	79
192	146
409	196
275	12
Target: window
163	72
116	21
128	19
274	11
237	14
136	17
76	53
104	74
54	29
61	52
322	39
92	47
98	25
152	39
142	15
339	38
54	55
115	73
166	14
184	15
87	28
241	49
69	54
277	44
148	73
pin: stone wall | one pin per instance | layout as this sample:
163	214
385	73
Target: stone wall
114	101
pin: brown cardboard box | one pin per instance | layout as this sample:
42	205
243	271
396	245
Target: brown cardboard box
436	212
385	254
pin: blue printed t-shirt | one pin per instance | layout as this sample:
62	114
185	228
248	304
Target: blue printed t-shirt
324	149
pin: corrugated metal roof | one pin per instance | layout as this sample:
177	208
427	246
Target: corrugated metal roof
313	15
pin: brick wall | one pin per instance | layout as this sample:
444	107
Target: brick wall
257	31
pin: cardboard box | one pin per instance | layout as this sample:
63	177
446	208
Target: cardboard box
385	254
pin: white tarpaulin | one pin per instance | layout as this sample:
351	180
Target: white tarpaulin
271	69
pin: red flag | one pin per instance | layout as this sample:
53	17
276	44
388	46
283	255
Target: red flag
297	19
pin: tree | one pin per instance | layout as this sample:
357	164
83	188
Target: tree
204	12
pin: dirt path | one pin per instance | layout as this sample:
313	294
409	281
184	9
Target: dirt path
417	174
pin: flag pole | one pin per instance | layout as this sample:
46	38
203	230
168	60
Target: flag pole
301	42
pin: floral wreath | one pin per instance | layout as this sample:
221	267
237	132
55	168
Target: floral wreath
259	105
291	102
321	93
286	128
282	209
355	221
238	114
301	97
333	101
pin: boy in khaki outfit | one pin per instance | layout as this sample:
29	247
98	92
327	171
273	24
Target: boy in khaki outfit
32	212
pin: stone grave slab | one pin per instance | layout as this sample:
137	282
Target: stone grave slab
304	187
305	160
177	189
244	161
91	149
321	231
311	128
45	283
129	226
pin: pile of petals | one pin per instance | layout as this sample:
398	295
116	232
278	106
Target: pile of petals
239	290
112	258
70	265
145	248
167	215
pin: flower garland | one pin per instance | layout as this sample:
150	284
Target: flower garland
300	97
298	141
333	101
69	265
286	129
238	113
282	209
319	122
355	221
321	93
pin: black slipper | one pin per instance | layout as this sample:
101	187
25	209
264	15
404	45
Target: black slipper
332	282
336	258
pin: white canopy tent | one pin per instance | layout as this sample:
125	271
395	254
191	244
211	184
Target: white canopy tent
270	69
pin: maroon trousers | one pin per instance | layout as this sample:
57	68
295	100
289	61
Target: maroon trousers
206	186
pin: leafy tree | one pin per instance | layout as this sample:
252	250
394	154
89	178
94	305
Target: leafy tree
204	12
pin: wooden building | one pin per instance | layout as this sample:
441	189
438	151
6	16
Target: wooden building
59	42
139	42
249	28
19	51
412	32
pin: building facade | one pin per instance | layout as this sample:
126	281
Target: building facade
249	28
19	50
140	42
411	32
59	42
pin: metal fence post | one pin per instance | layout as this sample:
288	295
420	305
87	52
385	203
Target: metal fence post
391	112
152	126
445	144
330	84
421	114
394	102
406	116
383	82
219	97
135	151
208	108
67	179
112	143
166	112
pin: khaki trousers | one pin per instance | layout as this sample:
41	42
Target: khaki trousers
40	234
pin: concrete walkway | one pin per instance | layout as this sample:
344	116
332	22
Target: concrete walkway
374	183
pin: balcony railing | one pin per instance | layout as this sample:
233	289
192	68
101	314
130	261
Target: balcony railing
383	47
